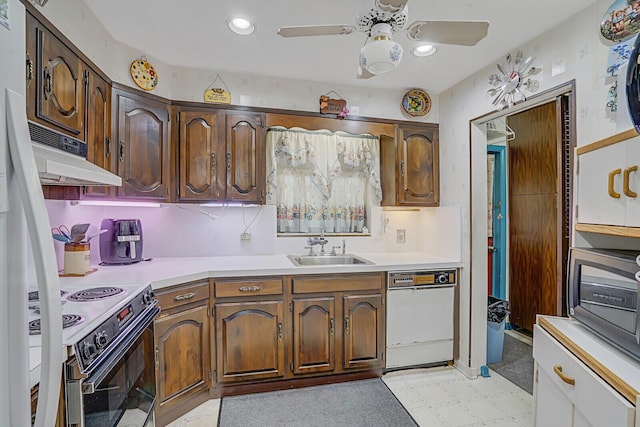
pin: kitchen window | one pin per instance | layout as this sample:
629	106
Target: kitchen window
321	180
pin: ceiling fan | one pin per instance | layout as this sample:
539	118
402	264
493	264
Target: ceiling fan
381	54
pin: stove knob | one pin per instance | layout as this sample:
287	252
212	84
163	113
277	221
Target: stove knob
442	278
88	350
101	339
148	297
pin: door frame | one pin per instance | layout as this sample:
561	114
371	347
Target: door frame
478	268
499	287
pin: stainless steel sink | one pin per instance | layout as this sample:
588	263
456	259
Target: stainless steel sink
303	260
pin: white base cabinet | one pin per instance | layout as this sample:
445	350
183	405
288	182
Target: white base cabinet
567	392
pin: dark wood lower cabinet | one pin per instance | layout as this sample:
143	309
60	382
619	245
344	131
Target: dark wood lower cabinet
249	341
314	337
363	331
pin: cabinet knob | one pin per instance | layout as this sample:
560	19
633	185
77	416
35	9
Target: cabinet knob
346	325
213	162
403	168
29	70
612	176
228	161
280	331
625	183
558	370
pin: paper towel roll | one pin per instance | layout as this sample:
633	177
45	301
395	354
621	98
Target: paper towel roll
638	260
638	276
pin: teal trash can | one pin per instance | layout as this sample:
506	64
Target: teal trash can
497	312
495	341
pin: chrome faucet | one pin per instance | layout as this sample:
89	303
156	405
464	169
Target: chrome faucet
312	241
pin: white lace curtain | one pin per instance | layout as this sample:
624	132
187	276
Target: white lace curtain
322	180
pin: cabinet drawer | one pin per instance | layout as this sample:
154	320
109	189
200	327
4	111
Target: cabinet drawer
184	294
361	282
244	288
611	408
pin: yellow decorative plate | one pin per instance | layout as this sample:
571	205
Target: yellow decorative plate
416	102
144	74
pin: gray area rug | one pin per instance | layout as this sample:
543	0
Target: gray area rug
356	403
516	364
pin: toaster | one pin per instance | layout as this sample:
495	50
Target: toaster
122	242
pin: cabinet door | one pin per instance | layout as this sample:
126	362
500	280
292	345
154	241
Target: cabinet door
245	157
552	407
98	130
600	174
199	157
60	83
418	163
362	331
631	183
313	335
183	352
143	148
249	340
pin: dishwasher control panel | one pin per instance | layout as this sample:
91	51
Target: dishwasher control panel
403	279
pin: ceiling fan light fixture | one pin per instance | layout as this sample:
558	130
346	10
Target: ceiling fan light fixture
382	55
241	26
424	50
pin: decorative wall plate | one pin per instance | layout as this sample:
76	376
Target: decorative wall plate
416	102
621	21
143	73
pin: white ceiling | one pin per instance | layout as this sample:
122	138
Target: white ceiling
193	34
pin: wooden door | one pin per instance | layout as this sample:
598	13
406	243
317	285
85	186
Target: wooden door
199	157
249	340
245	160
418	173
537	245
59	84
363	340
314	335
98	130
143	148
184	358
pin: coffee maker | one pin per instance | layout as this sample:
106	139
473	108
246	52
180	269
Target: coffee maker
122	243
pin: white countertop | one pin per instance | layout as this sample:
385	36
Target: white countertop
163	272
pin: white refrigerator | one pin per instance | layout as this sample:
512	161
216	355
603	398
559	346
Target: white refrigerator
23	216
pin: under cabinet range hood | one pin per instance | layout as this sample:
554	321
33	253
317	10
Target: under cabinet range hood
61	160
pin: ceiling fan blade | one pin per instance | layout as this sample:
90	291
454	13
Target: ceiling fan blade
391	6
316	30
465	33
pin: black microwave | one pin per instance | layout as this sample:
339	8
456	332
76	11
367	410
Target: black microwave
603	295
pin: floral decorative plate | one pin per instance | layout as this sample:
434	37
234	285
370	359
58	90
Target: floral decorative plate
416	102
143	73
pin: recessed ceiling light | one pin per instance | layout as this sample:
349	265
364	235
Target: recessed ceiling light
424	50
241	26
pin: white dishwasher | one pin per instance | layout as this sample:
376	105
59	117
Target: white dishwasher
420	317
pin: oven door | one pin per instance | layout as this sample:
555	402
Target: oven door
122	389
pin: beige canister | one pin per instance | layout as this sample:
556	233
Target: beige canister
76	258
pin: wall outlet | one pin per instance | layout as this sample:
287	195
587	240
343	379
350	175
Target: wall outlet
400	235
245	237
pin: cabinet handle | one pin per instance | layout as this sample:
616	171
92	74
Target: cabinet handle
122	151
29	70
280	331
228	161
612	176
213	162
403	168
254	288
107	147
346	325
157	357
183	297
625	186
48	83
558	370
331	326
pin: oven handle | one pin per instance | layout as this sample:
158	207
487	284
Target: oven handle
105	367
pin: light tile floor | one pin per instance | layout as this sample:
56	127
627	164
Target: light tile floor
434	397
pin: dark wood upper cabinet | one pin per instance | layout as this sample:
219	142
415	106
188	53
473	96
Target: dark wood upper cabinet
98	130
410	167
55	82
143	147
245	156
201	165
